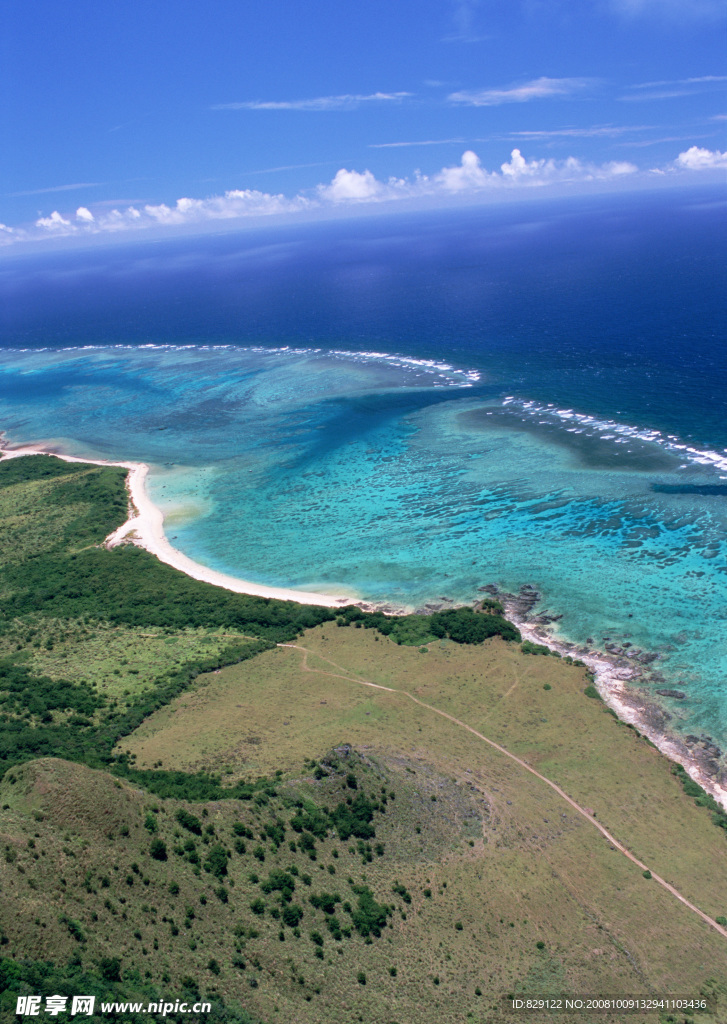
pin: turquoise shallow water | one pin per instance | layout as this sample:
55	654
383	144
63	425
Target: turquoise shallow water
408	481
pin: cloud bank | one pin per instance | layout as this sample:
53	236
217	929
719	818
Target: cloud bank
352	187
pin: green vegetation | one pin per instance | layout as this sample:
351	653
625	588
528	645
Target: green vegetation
119	661
105	982
462	625
299	702
139	894
701	798
528	647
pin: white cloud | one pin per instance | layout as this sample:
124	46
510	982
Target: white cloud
594	131
469	175
657	94
351	185
660	140
344	102
119	220
697	159
348	187
291	167
235	203
706	78
616	169
538	89
53	223
519	168
543	172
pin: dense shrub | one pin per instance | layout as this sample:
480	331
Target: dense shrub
528	647
189	821
292	915
368	917
325	901
279	881
355	819
106	981
158	849
402	891
216	861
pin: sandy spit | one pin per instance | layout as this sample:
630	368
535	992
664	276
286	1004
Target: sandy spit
145	528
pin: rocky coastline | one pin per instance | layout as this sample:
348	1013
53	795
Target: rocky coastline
627	678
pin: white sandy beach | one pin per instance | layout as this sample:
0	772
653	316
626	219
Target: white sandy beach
145	527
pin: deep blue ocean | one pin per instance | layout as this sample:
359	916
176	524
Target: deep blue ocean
412	406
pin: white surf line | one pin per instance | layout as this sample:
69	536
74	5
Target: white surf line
523	764
145	528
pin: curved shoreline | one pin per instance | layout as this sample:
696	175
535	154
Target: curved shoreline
145	528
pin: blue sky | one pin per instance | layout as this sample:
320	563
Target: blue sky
113	112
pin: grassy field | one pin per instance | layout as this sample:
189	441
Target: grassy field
119	661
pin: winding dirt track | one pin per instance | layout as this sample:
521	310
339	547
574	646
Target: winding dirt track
523	764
